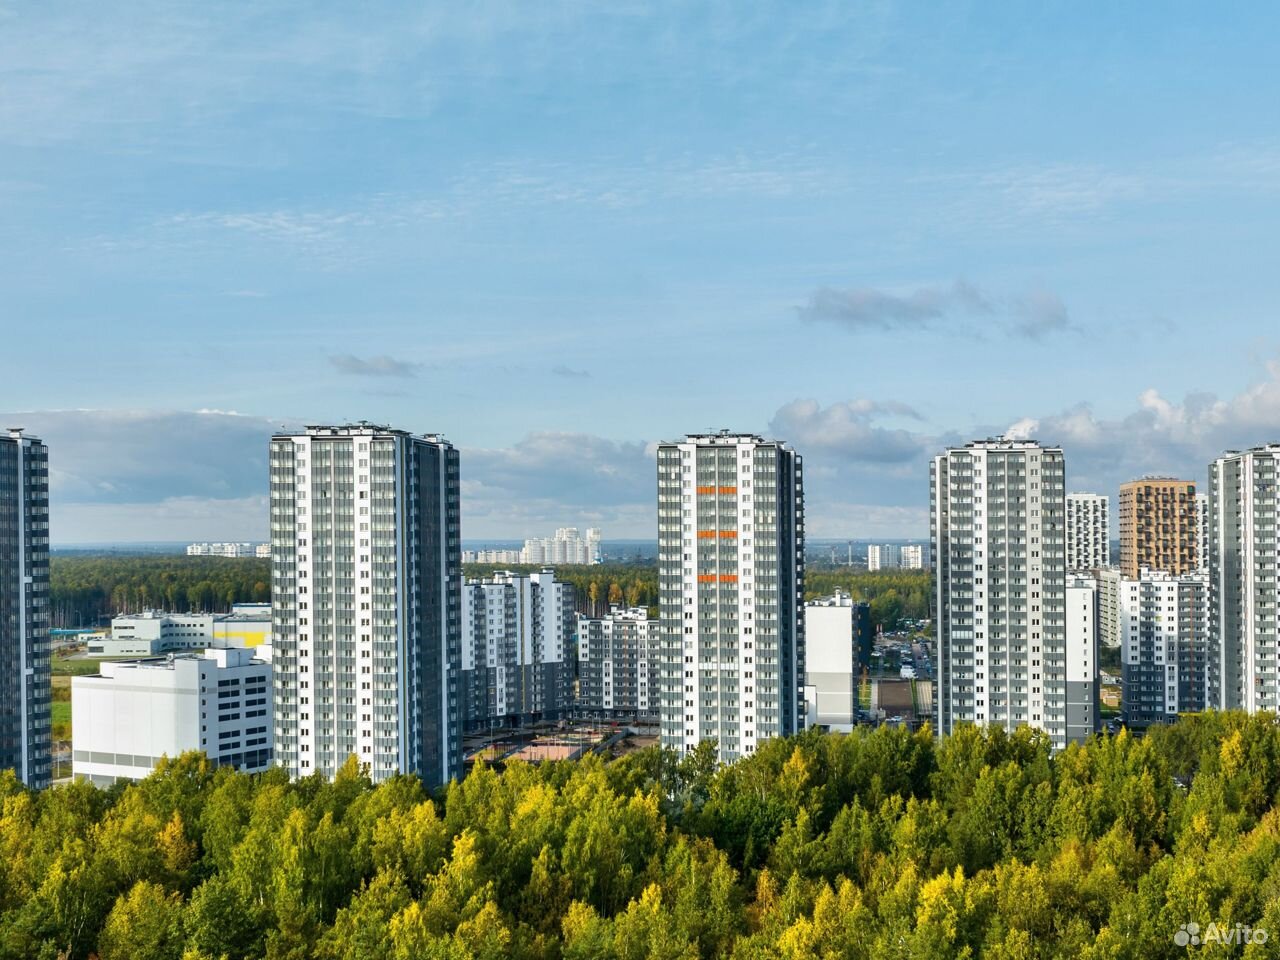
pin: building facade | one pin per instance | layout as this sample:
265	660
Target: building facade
731	587
517	652
1083	606
837	642
1088	531
1158	526
1109	632
135	712
1202	532
366	594
26	699
619	664
1164	646
1244	575
998	528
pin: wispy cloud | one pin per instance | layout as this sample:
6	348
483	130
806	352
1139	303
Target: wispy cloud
560	370
957	307
865	308
379	366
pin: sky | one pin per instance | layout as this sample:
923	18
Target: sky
561	232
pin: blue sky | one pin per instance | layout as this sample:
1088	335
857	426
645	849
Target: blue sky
560	232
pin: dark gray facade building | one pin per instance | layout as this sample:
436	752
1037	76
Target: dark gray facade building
619	666
366	601
517	656
25	695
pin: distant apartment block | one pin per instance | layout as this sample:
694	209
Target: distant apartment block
837	639
492	556
997	522
1244	579
731	586
566	547
517	651
619	666
367	594
1088	531
152	632
135	712
25	696
234	550
1164	645
1158	526
893	556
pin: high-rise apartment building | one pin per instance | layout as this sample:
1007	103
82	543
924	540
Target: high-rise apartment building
731	585
1088	531
1164	646
517	650
619	664
997	523
1157	526
366	594
25	696
1244	578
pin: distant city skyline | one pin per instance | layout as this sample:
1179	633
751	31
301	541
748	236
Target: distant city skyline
559	237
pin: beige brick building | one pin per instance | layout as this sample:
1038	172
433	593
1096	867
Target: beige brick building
1158	526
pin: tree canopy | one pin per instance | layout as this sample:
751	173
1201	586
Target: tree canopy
85	589
880	843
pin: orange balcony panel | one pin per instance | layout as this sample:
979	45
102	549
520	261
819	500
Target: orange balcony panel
706	534
706	490
727	490
728	578
729	534
706	578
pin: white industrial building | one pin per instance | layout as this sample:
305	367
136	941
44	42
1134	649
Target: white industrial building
837	640
135	712
1083	610
153	632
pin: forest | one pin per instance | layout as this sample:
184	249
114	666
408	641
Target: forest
85	590
880	843
894	595
88	590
